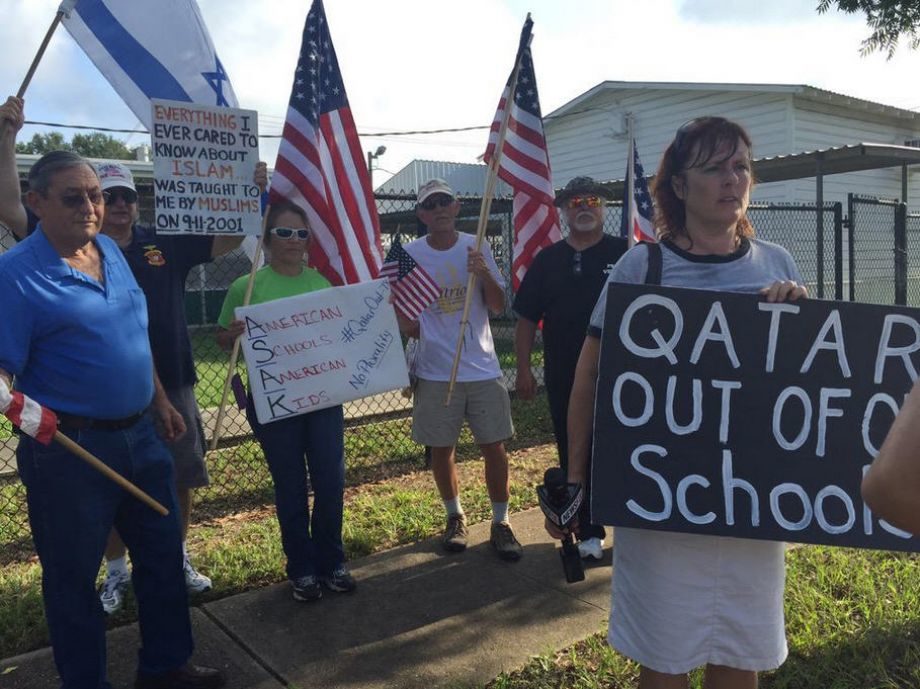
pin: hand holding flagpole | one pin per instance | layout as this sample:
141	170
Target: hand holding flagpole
488	194
40	423
234	355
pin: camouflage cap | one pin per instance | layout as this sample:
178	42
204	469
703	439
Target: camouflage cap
582	186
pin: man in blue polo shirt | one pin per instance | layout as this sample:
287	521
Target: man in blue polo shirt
160	265
75	338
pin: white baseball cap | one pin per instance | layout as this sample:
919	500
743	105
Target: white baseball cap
433	186
113	174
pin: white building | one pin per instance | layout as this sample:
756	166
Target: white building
588	135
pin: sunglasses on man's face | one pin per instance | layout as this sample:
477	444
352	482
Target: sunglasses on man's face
586	201
432	202
290	233
76	200
126	194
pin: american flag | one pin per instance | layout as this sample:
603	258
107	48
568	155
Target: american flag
413	289
636	224
321	167
524	163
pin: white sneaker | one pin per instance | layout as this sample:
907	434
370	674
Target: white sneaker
112	593
591	547
195	581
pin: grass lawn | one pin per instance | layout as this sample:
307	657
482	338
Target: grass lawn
852	621
235	536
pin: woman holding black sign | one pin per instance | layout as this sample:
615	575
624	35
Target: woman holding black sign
681	600
311	542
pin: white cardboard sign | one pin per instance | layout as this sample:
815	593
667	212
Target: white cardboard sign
320	349
204	161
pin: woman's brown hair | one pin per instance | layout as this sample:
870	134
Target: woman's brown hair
694	145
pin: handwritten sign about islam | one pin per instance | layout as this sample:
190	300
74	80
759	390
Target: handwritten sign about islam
204	161
720	413
321	349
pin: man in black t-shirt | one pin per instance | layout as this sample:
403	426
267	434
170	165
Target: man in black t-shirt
560	288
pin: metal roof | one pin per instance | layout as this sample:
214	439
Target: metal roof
800	90
827	161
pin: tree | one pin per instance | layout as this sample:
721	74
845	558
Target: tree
888	19
95	145
43	143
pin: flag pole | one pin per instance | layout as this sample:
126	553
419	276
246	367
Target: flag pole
629	198
491	181
41	50
234	355
108	472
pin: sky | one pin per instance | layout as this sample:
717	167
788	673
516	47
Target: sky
438	64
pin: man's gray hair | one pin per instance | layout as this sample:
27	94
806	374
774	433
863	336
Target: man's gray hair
51	163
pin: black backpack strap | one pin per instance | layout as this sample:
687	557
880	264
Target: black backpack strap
653	272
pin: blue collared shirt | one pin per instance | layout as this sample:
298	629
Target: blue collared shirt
74	345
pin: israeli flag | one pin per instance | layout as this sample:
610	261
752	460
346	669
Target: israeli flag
150	49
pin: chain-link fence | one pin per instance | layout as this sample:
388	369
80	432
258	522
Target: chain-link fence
377	437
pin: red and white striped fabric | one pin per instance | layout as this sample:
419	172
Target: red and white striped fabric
321	167
524	164
27	415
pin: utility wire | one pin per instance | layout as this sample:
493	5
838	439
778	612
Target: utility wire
413	132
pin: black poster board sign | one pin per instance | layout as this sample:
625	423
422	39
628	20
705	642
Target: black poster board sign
718	413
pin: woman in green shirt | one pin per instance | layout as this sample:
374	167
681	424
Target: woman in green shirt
312	543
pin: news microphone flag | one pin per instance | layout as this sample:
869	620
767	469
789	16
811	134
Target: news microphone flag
413	288
524	163
27	415
636	222
321	165
150	50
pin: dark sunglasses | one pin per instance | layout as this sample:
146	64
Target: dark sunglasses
288	233
126	194
96	198
587	201
576	264
432	202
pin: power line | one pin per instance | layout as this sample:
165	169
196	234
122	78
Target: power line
261	136
446	130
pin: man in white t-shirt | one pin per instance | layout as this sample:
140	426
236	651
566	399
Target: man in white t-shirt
479	396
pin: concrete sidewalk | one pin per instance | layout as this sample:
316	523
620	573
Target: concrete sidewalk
419	619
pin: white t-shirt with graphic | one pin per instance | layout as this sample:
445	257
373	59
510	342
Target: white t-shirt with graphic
440	322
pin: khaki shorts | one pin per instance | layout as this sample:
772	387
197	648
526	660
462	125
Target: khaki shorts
484	404
188	450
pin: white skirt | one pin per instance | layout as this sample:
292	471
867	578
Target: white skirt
680	601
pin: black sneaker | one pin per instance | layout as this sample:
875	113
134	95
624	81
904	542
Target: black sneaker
306	588
454	538
339	581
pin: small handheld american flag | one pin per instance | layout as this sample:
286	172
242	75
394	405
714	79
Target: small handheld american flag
413	288
27	415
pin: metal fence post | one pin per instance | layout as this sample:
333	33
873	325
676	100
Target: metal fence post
838	251
900	254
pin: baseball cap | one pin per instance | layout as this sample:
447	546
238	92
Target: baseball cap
115	175
431	187
582	186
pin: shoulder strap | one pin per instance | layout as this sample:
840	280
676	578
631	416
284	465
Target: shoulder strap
653	272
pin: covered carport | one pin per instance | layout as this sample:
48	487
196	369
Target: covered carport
833	161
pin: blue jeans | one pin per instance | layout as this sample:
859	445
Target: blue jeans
313	546
72	508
